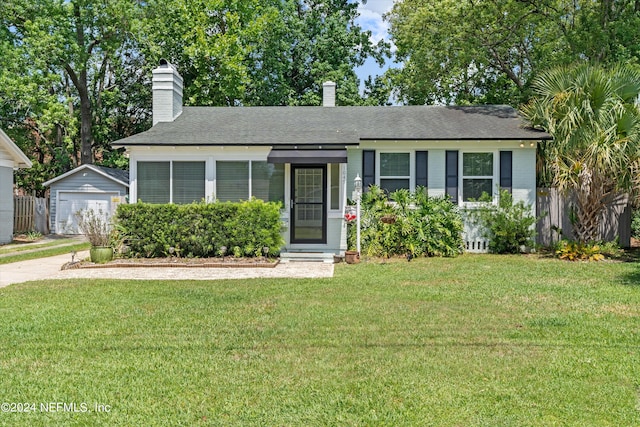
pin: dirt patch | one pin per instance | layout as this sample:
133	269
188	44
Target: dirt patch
230	262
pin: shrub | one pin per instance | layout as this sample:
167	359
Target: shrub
508	226
635	224
576	251
201	229
94	226
405	223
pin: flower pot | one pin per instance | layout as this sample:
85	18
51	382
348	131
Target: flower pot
352	257
388	219
101	254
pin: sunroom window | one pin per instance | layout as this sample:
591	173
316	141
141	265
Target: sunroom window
170	182
188	182
477	175
395	171
154	185
241	180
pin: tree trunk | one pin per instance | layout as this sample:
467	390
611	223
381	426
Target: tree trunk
86	140
591	199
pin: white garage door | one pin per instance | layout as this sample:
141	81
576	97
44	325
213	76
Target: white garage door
70	203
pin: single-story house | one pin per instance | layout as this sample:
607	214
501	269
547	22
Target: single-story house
86	187
11	158
308	157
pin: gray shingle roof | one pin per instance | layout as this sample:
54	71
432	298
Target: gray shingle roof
117	174
275	126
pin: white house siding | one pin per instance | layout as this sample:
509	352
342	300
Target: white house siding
87	182
523	170
211	155
6	202
354	167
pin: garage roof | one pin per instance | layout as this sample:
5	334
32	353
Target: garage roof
117	175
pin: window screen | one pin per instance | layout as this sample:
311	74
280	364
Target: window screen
477	175
188	182
232	181
394	171
267	181
153	182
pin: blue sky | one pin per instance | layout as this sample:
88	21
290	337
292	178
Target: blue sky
371	19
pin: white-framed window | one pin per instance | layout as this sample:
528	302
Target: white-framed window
242	179
394	171
479	175
170	181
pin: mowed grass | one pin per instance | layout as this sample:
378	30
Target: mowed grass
471	341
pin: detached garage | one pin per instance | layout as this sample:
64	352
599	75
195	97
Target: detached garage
85	187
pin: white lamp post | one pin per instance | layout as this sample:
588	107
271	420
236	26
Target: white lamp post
357	193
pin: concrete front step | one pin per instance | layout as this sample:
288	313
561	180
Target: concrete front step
327	257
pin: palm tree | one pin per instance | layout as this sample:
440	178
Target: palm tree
593	115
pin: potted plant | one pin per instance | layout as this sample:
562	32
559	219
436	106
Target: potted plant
351	257
97	228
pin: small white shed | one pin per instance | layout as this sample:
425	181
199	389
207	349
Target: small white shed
86	187
11	158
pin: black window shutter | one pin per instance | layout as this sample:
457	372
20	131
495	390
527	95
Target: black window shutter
506	168
422	164
368	169
451	171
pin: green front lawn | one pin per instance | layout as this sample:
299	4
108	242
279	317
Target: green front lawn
475	340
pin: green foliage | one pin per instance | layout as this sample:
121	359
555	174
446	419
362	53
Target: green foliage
470	52
407	223
74	75
577	251
592	114
635	224
200	229
481	340
508	226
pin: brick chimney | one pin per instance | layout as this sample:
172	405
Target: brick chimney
167	93
328	94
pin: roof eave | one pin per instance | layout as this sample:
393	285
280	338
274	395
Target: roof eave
19	158
80	168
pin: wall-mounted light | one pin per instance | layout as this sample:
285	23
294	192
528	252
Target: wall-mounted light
532	144
522	145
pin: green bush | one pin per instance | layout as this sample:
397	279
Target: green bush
576	251
508	226
200	229
417	225
635	224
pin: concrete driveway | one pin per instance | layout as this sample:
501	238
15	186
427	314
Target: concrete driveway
49	268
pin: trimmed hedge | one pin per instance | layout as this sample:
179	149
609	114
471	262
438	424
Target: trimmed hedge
200	229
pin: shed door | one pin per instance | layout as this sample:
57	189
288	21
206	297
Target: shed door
70	203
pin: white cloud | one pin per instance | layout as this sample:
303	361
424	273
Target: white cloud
371	19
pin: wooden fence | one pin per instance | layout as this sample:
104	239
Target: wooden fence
30	214
555	209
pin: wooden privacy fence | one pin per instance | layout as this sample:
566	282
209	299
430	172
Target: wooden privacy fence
30	214
555	224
